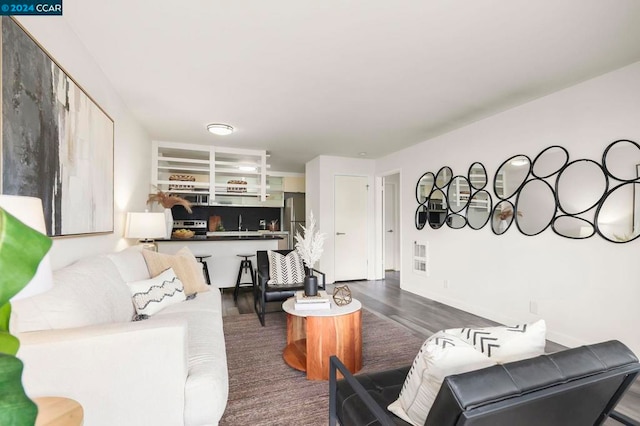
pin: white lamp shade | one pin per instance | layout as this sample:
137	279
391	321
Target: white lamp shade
145	225
29	211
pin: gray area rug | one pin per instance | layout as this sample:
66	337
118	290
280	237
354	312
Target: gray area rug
263	390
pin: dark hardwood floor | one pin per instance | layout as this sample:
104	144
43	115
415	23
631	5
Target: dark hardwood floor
422	316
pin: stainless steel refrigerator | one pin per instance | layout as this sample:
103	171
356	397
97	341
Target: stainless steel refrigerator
293	217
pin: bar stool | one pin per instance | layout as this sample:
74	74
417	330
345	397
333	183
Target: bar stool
205	268
245	266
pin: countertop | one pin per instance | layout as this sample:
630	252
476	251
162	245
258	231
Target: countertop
234	236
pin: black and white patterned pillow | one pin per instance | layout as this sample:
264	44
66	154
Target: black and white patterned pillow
285	270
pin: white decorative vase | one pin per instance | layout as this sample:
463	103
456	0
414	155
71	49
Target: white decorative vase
168	220
502	226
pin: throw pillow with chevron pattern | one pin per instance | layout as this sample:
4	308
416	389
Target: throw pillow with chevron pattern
503	343
440	356
155	294
285	270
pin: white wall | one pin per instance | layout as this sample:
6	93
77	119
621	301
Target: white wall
320	173
586	290
132	160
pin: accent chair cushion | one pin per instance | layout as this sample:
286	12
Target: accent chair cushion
505	344
459	350
440	356
153	295
185	265
285	270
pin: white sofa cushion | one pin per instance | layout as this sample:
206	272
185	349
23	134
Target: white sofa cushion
130	264
90	291
153	295
207	386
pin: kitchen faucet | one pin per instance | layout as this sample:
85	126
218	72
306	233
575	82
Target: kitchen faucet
239	222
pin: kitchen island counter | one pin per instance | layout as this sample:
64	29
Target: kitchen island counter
224	262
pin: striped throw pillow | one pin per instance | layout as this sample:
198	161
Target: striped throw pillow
153	295
285	270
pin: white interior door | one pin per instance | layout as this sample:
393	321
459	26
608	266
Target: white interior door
350	227
390	226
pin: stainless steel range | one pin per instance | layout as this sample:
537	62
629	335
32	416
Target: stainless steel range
197	226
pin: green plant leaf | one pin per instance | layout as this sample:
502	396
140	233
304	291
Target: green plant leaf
9	343
5	314
21	250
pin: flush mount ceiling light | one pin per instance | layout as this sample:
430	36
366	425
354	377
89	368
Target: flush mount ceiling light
220	129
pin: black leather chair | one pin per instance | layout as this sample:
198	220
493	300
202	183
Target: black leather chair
578	387
264	293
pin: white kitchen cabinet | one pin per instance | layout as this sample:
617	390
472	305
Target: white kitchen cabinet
209	175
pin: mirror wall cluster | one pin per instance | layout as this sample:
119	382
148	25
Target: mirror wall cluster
576	199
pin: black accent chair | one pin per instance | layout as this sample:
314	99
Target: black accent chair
579	386
264	293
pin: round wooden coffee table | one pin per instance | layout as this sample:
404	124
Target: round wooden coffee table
314	335
58	411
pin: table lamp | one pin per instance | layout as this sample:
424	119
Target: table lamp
145	226
28	210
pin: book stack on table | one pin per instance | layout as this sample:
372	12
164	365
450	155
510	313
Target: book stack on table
312	303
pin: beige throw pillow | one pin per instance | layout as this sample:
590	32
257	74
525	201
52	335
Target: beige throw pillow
185	265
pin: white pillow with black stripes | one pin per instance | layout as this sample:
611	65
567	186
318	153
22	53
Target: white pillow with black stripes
459	350
153	295
285	270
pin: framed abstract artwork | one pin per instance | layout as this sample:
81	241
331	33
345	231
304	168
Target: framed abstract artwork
57	143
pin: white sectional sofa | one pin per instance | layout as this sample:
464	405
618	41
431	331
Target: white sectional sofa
78	340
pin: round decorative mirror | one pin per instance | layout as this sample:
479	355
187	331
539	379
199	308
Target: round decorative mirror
456	221
437	209
621	160
535	207
580	186
617	216
421	216
477	175
443	177
502	217
479	209
512	174
572	227
424	187
458	194
550	161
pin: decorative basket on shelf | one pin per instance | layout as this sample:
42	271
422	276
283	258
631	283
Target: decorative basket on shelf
181	186
239	186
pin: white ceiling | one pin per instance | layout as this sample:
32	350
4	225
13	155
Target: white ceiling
301	78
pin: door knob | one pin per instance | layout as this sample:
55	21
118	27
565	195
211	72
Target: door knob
390	230
341	233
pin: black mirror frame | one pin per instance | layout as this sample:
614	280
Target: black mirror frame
517	190
555	211
553	227
533	164
417	224
446	210
493	212
486	177
418	185
602	203
604	160
557	193
444	185
490	199
455	214
448	198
